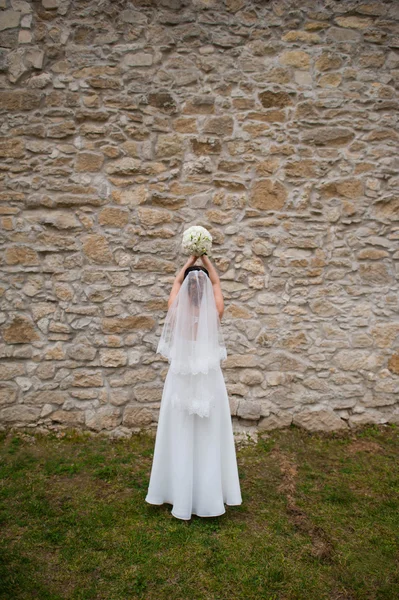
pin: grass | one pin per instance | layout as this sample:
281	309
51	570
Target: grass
319	520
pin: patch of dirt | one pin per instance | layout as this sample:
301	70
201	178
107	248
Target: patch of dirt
364	446
322	547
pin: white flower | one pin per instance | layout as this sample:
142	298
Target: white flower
197	241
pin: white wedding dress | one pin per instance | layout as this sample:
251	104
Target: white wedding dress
194	464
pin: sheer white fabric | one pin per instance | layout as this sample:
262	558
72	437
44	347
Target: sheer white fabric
193	342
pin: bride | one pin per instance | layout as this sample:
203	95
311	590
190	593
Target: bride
194	465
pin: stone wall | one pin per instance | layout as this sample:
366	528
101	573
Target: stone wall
270	123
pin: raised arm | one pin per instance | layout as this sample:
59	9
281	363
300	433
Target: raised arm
217	290
179	280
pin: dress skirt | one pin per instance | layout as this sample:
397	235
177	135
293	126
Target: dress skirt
194	464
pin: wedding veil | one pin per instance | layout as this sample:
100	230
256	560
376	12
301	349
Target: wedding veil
193	343
192	338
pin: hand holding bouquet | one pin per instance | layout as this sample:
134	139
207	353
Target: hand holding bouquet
197	241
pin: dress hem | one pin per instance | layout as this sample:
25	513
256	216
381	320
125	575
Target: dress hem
193	513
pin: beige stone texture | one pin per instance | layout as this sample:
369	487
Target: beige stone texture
273	125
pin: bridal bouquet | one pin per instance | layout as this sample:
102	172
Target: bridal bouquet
197	241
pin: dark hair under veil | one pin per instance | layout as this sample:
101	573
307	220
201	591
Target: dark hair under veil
195	268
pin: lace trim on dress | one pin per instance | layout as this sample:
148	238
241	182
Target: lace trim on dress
193	393
193	405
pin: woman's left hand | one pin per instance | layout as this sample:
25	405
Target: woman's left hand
191	261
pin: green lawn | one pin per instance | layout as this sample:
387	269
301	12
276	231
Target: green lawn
319	520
